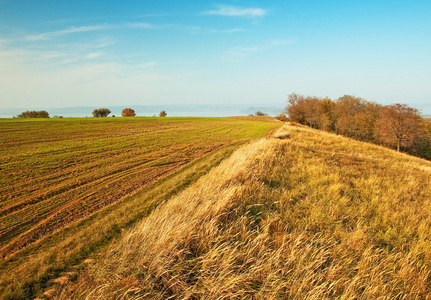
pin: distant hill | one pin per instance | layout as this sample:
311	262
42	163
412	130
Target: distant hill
302	215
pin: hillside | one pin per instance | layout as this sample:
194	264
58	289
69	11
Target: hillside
303	215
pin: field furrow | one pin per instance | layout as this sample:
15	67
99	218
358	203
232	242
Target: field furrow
55	172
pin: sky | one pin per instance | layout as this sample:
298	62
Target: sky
106	53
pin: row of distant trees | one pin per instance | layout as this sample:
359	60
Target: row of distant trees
127	112
100	112
397	126
33	114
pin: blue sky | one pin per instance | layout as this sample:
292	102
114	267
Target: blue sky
102	53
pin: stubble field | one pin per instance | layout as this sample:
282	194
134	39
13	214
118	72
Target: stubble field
54	172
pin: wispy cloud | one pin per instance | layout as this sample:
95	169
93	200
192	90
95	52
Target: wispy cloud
70	30
57	22
227	10
236	54
227	30
154	15
140	25
93	55
52	34
148	64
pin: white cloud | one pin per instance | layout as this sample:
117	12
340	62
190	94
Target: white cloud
53	34
49	35
93	55
227	10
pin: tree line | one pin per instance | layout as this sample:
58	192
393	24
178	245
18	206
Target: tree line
397	126
127	112
99	112
33	114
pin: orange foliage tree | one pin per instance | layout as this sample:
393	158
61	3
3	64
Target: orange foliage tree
398	126
128	112
355	117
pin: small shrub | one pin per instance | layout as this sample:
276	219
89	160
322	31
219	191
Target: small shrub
282	117
163	114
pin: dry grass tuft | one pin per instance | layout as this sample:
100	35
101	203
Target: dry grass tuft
311	216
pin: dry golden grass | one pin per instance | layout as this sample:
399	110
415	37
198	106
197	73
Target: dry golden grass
302	215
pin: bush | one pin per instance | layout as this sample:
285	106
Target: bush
281	117
128	112
260	114
34	114
101	112
163	114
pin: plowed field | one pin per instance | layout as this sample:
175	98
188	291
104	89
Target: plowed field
56	171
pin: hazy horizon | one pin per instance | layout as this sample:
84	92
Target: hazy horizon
272	109
84	53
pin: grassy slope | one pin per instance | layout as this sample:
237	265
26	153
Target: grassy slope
27	272
306	215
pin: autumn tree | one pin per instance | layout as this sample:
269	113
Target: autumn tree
355	117
327	120
260	113
163	114
128	112
312	111
101	112
296	108
398	126
422	143
34	114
